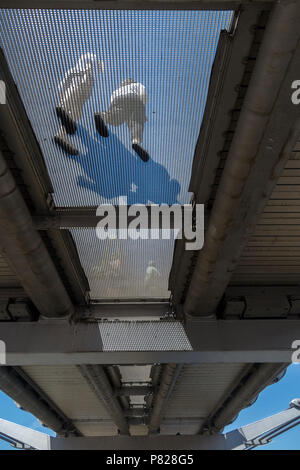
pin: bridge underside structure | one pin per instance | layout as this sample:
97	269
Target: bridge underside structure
91	351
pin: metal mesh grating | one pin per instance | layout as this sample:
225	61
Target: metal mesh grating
171	53
144	336
118	268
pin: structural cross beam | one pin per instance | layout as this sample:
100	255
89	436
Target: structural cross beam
134	4
64	217
209	341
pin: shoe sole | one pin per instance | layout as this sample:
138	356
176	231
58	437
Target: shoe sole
66	121
65	147
141	153
100	126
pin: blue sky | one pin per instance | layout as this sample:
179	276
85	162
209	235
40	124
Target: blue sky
272	400
10	412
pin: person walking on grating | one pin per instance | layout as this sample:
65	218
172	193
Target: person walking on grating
74	90
152	279
127	104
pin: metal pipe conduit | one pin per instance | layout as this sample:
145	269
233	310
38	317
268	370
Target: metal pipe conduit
242	397
96	376
279	44
26	253
169	376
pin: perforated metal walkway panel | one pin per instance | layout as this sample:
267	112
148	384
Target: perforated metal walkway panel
144	336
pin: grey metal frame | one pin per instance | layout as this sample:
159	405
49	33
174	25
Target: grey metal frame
239	341
246	437
265	136
134	4
86	217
